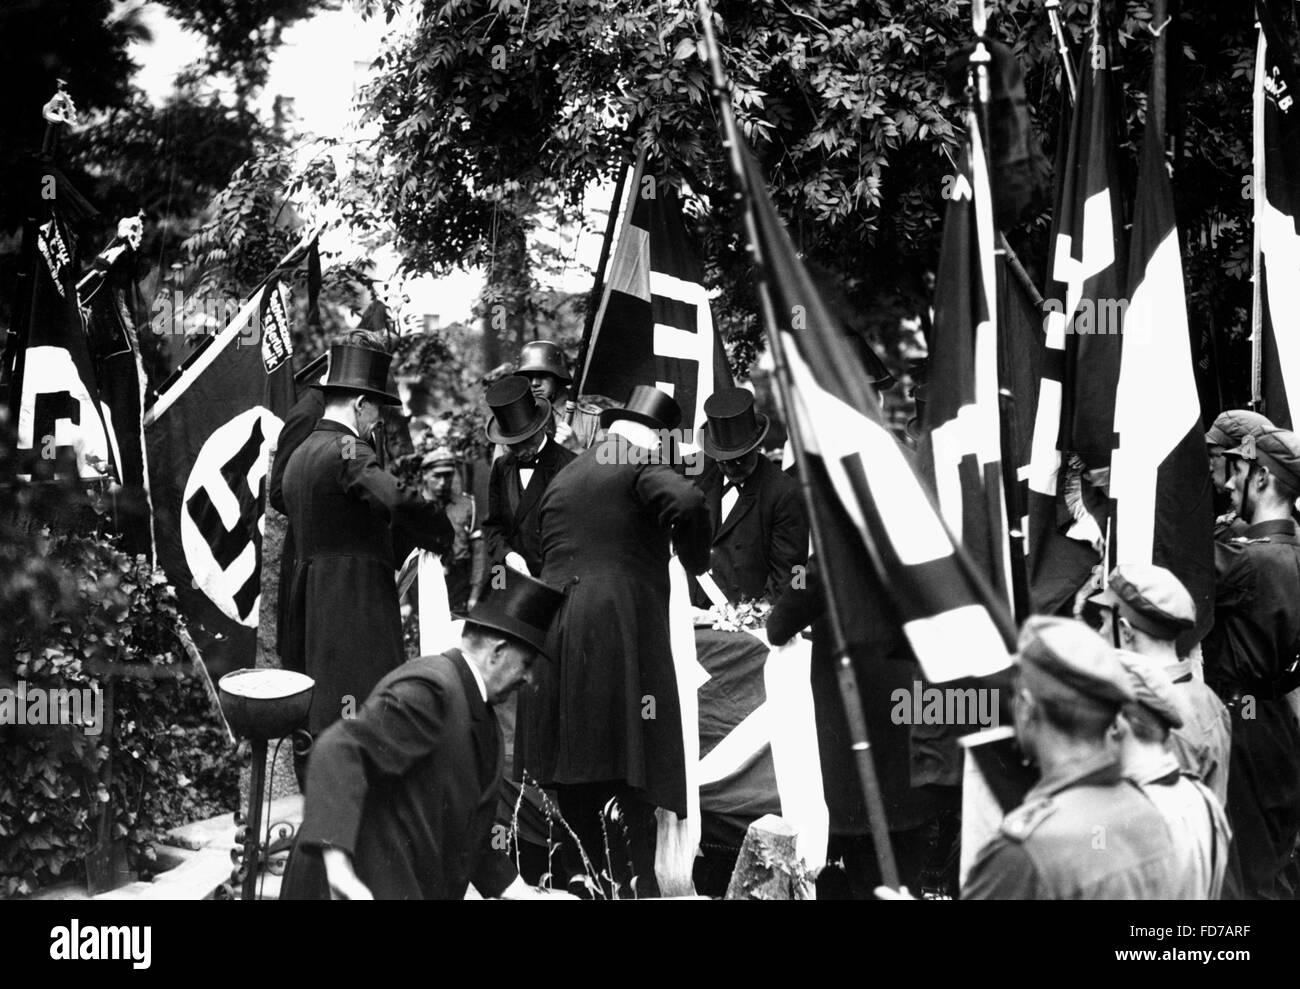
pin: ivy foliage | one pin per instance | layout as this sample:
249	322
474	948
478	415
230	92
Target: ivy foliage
77	614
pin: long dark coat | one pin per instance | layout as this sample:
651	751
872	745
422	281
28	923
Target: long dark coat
344	625
608	711
514	518
298	425
409	788
758	545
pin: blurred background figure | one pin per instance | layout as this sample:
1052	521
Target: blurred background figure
441	486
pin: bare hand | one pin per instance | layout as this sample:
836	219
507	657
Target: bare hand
343	881
888	893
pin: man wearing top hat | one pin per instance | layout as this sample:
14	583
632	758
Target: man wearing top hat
298	425
605	722
1083	831
1144	609
1227	433
1195	817
760	530
512	529
344	623
542	363
1252	660
401	799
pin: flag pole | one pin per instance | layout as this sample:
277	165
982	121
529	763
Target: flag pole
848	680
1063	48
598	288
1258	193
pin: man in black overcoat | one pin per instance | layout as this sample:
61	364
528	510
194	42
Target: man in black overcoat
760	531
605	723
344	625
401	799
512	532
298	425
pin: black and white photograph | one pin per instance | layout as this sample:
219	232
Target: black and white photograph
618	450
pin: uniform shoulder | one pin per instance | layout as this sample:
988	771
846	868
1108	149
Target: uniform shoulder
1020	823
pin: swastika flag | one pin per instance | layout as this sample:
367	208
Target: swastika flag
210	435
654	326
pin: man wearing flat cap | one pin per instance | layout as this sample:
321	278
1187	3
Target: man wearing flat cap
1083	832
352	523
401	799
439	468
1194	815
1251	661
760	531
1229	429
512	529
1146	608
605	723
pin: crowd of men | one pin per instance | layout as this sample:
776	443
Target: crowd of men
1165	768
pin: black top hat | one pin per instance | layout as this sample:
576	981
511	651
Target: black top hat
516	412
734	428
360	369
648	406
524	608
543	357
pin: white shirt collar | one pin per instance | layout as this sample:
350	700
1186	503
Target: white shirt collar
478	677
349	428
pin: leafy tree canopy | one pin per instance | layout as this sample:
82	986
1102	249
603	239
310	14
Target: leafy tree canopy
509	108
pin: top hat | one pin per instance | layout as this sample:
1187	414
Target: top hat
523	608
648	406
543	357
360	369
734	428
516	412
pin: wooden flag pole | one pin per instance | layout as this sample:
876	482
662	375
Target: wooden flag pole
848	680
1259	193
598	288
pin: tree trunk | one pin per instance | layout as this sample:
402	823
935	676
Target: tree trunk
507	295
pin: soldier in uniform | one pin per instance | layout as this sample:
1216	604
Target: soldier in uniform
1146	608
542	363
1251	661
441	465
1229	429
1083	832
1195	817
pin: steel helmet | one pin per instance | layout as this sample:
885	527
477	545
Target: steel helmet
544	357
